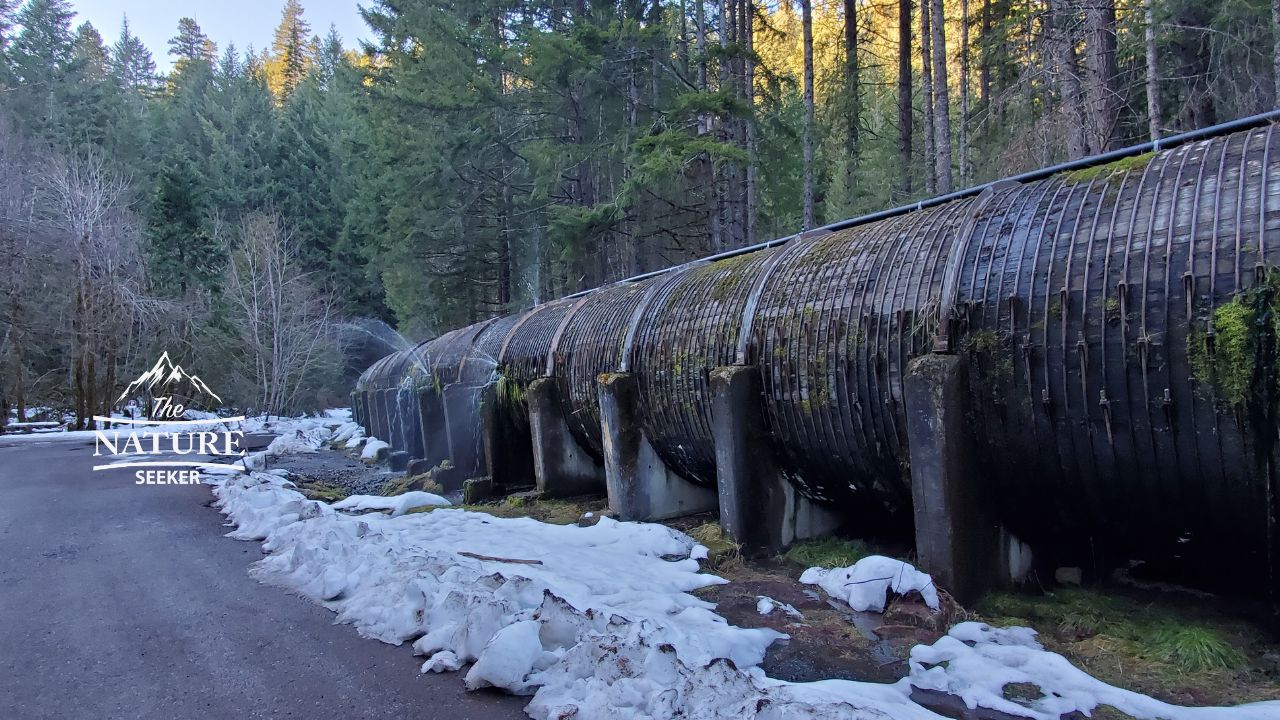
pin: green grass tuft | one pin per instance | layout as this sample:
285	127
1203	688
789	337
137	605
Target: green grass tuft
1195	649
828	552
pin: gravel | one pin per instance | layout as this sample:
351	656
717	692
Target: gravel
333	467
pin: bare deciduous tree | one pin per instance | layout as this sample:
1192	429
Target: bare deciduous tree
283	321
86	202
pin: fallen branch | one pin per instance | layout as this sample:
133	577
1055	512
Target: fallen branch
499	559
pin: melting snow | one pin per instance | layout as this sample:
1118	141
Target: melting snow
397	504
865	584
371	448
598	621
975	661
766	605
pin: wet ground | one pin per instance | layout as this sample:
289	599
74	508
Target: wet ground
337	469
830	640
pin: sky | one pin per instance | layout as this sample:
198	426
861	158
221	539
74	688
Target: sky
243	22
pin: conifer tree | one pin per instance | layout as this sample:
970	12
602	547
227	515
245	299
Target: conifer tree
190	44
131	62
291	51
45	43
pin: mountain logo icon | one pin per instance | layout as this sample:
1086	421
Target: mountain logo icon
162	378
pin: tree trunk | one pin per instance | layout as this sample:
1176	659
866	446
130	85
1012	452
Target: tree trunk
1155	117
941	101
684	38
700	33
1191	47
723	226
806	11
749	92
711	181
984	64
905	115
1275	60
853	117
1059	29
20	380
1100	66
108	382
504	212
926	87
965	171
730	194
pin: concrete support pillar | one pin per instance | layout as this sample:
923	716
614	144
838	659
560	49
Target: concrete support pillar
355	407
561	467
366	412
381	416
640	485
403	415
370	409
410	415
435	434
395	429
758	507
956	540
508	447
462	421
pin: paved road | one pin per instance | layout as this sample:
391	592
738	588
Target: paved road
125	601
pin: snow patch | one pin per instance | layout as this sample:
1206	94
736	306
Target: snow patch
371	448
865	585
509	658
975	661
397	504
766	605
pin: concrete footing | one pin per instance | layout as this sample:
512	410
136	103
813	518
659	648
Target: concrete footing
561	467
640	485
398	460
758	507
476	489
956	540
